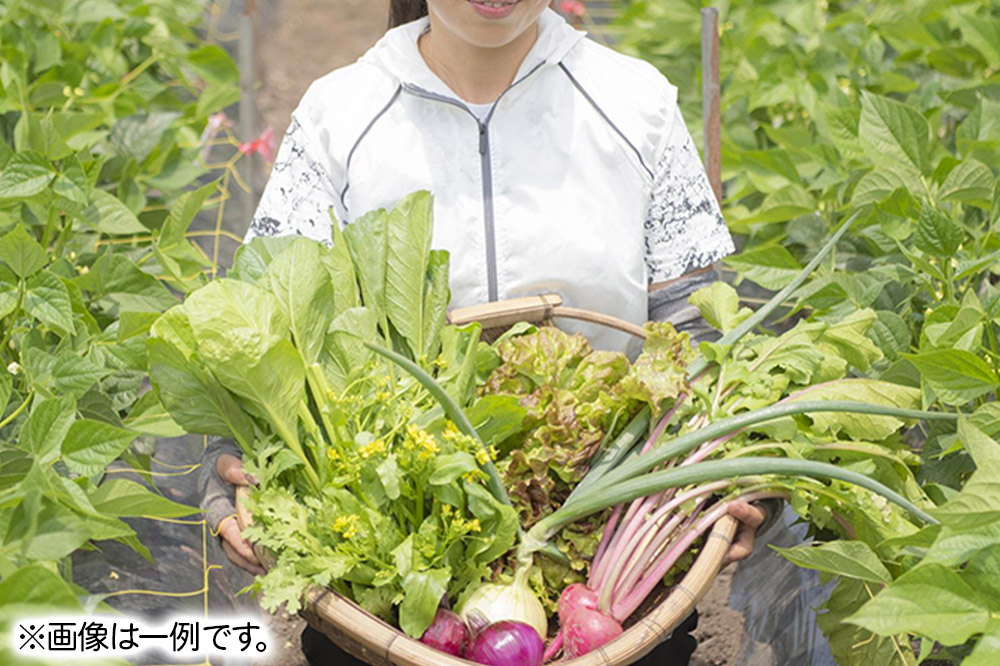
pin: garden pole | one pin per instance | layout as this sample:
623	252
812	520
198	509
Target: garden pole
710	98
245	56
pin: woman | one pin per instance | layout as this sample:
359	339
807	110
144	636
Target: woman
557	165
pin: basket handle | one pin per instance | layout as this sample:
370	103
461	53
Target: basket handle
536	310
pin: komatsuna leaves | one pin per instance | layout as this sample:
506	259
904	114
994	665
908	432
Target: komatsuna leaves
956	376
299	280
423	590
253	257
437	296
90	446
22	253
343	277
409	245
853	559
930	600
366	240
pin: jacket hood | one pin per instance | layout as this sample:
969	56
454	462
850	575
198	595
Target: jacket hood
396	53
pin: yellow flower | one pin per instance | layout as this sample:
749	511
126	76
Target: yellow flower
482	457
446	509
473	525
417	437
450	431
473	476
347	526
332	454
368	450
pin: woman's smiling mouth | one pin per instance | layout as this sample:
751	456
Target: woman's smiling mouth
494	10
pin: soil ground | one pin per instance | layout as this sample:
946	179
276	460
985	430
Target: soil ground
302	40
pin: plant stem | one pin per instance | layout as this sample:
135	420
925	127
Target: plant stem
614	453
685	443
712	470
13	415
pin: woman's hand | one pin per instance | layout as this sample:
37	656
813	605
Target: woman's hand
236	548
751	518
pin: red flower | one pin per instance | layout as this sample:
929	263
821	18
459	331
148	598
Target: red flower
572	7
263	144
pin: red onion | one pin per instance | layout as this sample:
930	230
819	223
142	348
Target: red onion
507	643
447	633
573	597
587	630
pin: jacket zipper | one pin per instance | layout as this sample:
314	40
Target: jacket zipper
486	166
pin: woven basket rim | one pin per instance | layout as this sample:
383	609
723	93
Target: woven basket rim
340	618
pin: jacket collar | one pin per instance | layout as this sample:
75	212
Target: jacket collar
397	54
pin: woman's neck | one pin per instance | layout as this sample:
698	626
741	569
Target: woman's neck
477	75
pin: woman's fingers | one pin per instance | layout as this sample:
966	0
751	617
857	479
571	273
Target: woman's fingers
229	530
241	561
230	468
751	518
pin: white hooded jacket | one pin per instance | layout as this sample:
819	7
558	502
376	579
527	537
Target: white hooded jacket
581	180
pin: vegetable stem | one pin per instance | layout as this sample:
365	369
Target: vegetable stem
712	470
685	443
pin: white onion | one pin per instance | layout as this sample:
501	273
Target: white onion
508	602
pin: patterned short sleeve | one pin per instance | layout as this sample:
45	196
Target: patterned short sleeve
299	193
685	229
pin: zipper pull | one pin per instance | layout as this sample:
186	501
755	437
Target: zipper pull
483	139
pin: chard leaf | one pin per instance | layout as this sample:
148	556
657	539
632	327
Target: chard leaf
930	600
853	559
301	283
409	245
863	427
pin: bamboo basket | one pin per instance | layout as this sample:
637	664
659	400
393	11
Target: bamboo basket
370	639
